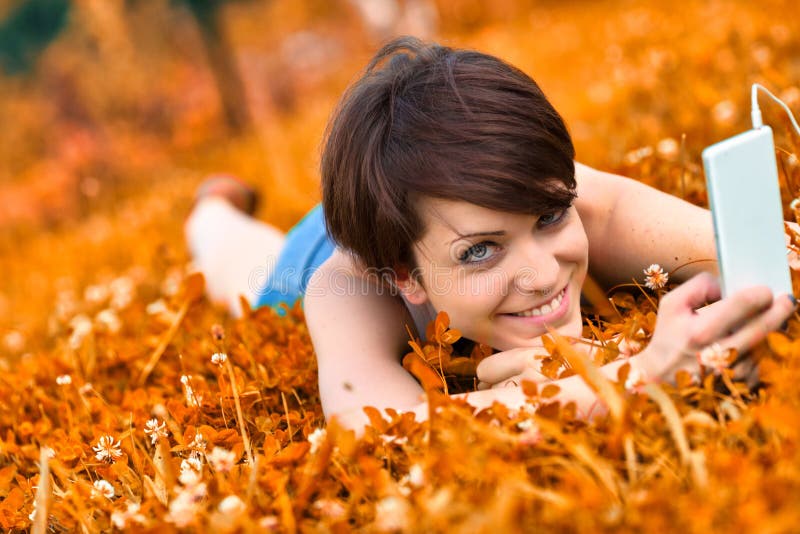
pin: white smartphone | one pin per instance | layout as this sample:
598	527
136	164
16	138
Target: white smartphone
745	201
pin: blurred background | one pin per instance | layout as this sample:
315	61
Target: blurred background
112	111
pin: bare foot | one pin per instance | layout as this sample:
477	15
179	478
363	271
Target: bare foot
230	188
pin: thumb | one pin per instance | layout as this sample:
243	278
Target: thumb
693	293
506	364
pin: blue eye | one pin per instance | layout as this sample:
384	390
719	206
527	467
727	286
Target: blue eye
549	219
475	253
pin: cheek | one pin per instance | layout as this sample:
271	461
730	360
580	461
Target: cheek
469	294
576	244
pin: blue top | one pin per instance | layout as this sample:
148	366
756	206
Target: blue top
307	246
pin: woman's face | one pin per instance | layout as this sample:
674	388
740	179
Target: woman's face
503	278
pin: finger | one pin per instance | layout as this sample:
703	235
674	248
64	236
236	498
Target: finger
532	375
746	369
734	312
506	364
757	328
510	383
693	293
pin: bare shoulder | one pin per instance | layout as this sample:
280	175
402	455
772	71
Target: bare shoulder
597	193
593	182
340	266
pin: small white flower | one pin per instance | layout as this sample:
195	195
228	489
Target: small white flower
655	277
724	112
397	440
635	378
157	307
95	294
416	476
391	513
222	460
86	388
531	434
232	505
191	469
194	461
63	380
120	519
107	450
635	156
65	304
218	358
199	443
155	430
316	438
192	398
629	347
269	522
668	148
714	357
172	282
330	508
14	341
81	327
189	477
104	488
184	507
122	292
109	320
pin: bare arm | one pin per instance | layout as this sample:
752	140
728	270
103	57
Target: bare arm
358	335
631	225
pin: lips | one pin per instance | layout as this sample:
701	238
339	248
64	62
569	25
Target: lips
545	310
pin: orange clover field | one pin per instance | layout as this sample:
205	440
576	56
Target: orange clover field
129	401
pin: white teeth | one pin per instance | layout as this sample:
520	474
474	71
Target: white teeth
544	309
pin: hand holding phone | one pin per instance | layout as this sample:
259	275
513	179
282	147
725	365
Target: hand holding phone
744	196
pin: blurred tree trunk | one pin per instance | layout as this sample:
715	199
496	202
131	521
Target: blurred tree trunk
222	63
27	30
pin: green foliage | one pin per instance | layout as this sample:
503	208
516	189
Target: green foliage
27	31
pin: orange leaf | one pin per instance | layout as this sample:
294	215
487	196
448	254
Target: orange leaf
12	504
461	366
550	390
530	389
779	344
291	453
451	336
441	323
550	367
376	419
194	286
423	372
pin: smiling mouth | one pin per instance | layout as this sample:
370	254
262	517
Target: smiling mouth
544	309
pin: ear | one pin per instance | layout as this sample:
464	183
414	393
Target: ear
410	287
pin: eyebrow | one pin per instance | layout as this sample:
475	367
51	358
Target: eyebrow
476	234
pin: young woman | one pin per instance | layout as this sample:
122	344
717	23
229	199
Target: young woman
449	183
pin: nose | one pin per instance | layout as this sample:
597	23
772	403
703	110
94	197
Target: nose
537	272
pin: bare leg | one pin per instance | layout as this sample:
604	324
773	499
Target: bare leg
235	252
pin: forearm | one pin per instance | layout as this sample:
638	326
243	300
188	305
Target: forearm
358	333
572	389
631	225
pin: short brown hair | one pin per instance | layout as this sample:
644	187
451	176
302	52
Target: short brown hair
429	120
